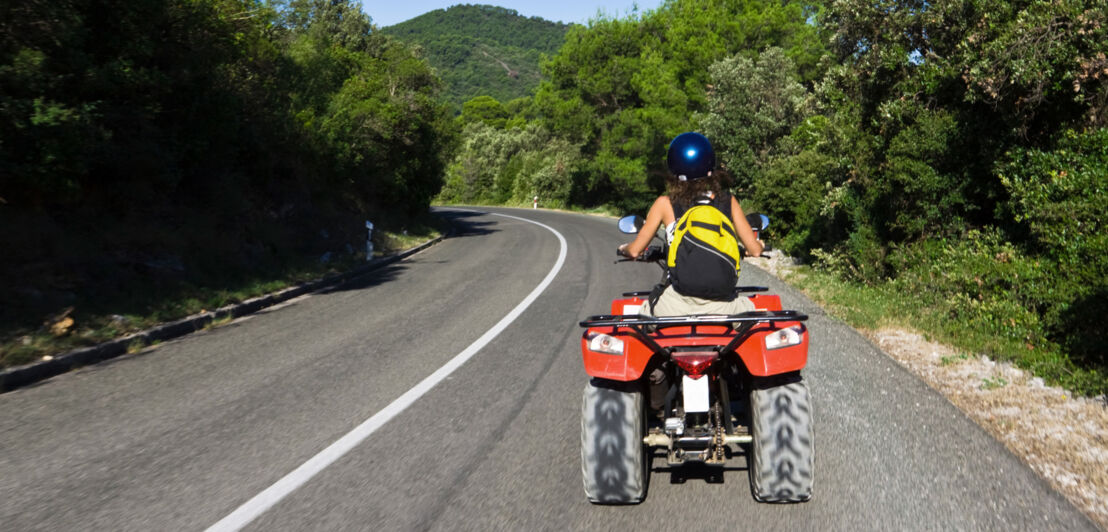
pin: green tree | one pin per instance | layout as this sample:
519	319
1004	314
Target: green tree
1060	197
956	149
216	136
939	92
752	104
495	165
484	109
623	88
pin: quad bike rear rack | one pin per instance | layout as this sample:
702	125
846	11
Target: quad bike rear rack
739	323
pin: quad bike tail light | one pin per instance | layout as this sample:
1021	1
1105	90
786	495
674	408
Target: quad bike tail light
695	363
786	337
603	343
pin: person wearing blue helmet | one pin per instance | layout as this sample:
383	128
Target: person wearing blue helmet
691	161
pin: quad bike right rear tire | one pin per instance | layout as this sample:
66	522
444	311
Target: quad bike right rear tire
781	454
614	459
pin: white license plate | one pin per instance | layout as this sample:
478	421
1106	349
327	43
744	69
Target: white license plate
631	309
695	393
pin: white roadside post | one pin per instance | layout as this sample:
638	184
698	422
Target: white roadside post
536	203
369	241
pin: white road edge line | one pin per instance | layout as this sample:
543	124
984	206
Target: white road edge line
269	498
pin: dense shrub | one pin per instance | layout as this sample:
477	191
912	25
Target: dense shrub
513	165
1059	196
1008	303
982	281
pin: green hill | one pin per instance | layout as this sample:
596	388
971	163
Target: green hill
482	50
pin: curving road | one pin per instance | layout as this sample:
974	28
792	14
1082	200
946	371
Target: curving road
235	426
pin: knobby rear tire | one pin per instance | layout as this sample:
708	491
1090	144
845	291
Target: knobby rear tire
614	460
781	455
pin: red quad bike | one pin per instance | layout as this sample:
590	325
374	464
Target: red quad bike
698	387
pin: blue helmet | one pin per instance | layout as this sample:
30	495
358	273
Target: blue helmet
690	157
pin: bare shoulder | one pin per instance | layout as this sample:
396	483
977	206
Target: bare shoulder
663	206
735	207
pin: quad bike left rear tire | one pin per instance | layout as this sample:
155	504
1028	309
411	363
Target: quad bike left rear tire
614	459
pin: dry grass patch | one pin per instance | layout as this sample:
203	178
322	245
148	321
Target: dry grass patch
1063	438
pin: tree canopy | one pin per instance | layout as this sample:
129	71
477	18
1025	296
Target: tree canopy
951	149
166	140
621	88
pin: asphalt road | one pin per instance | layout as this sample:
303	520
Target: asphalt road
181	436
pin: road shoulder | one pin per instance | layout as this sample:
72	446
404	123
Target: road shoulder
19	376
1063	438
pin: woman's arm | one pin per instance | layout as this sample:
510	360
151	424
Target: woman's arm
654	218
746	234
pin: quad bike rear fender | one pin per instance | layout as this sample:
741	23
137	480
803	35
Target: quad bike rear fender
639	346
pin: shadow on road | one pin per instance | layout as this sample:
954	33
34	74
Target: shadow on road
696	471
369	280
465	224
462	224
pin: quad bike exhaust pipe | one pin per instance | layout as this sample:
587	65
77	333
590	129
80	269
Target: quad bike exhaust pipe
663	440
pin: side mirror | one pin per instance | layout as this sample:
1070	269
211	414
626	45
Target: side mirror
631	224
758	222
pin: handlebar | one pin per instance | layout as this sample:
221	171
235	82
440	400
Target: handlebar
650	254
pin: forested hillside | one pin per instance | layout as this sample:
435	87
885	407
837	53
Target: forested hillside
482	50
956	151
153	148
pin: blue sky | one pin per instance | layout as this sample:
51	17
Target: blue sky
389	12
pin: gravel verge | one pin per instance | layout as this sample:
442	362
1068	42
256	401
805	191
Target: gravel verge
1061	437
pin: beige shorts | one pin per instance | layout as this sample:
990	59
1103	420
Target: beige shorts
670	303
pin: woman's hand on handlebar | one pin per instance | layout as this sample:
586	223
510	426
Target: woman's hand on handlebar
765	248
649	254
622	251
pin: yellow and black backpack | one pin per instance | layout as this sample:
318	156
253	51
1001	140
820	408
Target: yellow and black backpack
704	255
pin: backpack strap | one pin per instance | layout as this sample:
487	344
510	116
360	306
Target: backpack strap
722	202
656	293
678	209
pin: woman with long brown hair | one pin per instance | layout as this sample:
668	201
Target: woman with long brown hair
691	161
